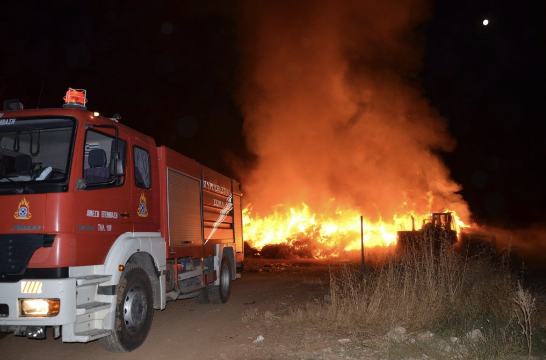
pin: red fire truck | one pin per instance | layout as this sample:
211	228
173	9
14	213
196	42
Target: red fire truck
99	227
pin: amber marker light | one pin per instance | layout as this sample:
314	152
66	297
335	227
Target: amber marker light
39	307
76	97
121	267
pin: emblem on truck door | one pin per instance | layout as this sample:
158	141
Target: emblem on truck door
142	208
23	210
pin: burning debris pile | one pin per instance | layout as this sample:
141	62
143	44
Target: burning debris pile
288	250
302	247
338	127
300	234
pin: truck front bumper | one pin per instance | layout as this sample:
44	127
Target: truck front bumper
12	293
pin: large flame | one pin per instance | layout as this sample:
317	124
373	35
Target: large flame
333	110
330	235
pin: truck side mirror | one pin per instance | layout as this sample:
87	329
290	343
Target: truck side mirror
117	163
118	168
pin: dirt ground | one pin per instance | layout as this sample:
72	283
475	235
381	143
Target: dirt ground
188	330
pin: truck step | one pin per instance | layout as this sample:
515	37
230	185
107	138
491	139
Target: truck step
189	295
189	274
90	335
91	307
92	279
172	295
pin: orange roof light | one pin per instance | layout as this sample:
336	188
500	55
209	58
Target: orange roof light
75	98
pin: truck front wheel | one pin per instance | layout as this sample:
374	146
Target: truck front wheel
134	311
219	294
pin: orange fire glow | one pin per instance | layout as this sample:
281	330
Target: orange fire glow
330	235
332	110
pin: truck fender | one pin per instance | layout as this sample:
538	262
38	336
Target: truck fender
220	251
129	244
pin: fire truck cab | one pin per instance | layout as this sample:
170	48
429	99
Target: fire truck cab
99	226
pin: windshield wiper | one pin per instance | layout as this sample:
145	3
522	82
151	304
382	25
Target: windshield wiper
6	177
25	190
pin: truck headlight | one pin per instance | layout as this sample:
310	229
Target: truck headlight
39	307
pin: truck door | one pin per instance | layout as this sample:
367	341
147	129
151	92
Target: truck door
144	187
102	206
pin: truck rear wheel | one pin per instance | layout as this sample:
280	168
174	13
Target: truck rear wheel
219	294
134	311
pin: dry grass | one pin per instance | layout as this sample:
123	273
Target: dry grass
418	289
526	307
428	288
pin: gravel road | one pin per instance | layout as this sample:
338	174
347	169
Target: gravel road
188	330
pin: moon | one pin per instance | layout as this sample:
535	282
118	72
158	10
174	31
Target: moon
485	22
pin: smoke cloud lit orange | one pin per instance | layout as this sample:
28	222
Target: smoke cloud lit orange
335	116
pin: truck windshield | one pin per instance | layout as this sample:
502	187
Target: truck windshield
35	153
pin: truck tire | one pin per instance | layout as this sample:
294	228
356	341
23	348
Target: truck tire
134	311
203	297
219	294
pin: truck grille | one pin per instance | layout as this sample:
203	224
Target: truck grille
17	249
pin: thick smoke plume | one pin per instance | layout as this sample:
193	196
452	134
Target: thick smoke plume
333	109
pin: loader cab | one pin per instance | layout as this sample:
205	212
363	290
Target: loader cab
441	220
442	223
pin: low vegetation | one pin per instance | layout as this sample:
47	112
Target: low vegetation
447	304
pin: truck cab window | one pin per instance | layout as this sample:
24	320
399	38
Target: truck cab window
35	153
142	168
98	159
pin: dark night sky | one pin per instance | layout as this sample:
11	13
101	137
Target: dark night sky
172	69
488	81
